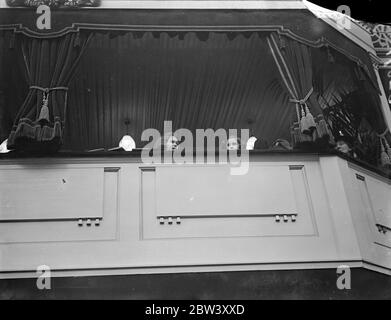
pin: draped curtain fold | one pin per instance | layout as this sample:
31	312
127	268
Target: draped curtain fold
3	132
352	106
295	65
275	86
49	67
197	84
380	135
347	116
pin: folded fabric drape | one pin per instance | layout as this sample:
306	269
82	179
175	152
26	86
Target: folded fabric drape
217	83
294	62
49	66
261	81
44	114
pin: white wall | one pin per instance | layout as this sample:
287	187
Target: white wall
226	223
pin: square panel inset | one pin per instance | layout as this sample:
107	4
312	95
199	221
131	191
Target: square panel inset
214	191
193	201
39	193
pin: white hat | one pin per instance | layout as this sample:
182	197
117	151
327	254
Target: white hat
3	147
127	143
251	143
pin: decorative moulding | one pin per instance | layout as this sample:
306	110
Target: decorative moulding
54	3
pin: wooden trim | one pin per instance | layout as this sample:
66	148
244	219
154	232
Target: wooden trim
129	270
279	29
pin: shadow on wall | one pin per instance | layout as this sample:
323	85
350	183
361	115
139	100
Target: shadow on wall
264	285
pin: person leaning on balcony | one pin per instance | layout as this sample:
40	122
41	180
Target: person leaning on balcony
344	144
281	145
233	144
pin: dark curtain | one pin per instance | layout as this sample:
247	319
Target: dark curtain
196	81
335	99
295	65
3	120
13	85
333	77
352	105
49	67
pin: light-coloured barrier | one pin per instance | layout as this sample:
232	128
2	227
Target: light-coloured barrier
118	216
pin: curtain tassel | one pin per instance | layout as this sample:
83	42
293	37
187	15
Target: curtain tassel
297	136
384	156
387	148
303	122
321	128
310	119
306	120
44	114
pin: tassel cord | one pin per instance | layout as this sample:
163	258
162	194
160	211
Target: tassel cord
303	101
385	149
306	119
45	100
